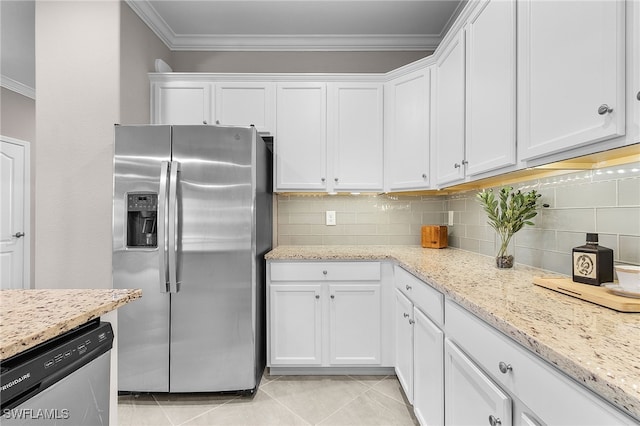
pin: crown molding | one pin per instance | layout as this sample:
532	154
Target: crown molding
16	86
175	42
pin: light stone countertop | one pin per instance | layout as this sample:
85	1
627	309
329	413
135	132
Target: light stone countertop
597	346
31	317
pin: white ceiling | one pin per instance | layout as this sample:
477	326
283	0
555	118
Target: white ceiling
319	25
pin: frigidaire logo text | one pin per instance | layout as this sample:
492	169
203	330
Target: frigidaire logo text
16	381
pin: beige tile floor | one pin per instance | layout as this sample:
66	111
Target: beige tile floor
280	400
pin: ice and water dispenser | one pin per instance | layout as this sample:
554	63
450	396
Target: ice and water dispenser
142	213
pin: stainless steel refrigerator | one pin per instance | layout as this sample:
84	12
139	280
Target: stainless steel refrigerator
191	224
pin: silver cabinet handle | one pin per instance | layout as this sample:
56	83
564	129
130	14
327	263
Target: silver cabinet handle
406	315
408	287
411	322
18	235
163	224
465	162
604	109
504	367
456	166
494	421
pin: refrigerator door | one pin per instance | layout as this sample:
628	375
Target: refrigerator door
212	314
143	332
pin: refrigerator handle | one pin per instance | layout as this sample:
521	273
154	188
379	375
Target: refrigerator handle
163	221
173	227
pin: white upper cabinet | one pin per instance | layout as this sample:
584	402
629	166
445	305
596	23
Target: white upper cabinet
407	114
300	147
449	110
243	104
355	135
181	102
571	77
490	141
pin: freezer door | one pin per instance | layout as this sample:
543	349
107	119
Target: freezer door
212	331
143	327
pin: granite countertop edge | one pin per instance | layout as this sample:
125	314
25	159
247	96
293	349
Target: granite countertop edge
31	317
437	269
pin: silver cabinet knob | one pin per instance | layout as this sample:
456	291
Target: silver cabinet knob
406	315
333	296
411	321
324	272
494	421
335	179
456	166
604	109
217	121
408	287
465	162
424	176
638	96
18	235
204	121
504	367
322	180
317	296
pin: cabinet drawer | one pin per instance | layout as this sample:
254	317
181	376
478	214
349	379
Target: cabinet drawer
325	271
424	297
537	384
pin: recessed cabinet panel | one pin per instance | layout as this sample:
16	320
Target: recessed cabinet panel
356	136
300	147
490	140
244	104
571	75
449	113
354	323
407	106
428	370
295	324
471	398
181	103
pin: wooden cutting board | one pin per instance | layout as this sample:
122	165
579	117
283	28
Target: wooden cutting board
591	293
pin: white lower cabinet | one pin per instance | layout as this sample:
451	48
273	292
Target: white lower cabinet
325	314
471	398
404	344
428	371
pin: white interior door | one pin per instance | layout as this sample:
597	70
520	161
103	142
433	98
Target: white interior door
14	214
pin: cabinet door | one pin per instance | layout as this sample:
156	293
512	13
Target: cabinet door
428	370
407	131
300	149
181	103
354	323
404	343
471	398
570	65
490	91
295	324
355	129
243	104
449	112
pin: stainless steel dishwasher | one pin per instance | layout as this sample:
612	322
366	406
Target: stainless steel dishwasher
64	381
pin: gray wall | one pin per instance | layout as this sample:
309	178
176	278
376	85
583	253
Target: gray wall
289	62
605	201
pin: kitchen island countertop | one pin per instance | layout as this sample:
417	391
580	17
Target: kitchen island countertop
594	345
31	317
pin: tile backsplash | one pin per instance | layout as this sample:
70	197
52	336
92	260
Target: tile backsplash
605	201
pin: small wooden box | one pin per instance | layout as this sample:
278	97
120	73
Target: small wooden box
434	236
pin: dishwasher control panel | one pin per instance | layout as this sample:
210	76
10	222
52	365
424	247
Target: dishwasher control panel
45	364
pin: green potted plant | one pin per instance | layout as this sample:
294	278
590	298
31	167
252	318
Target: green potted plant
507	214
